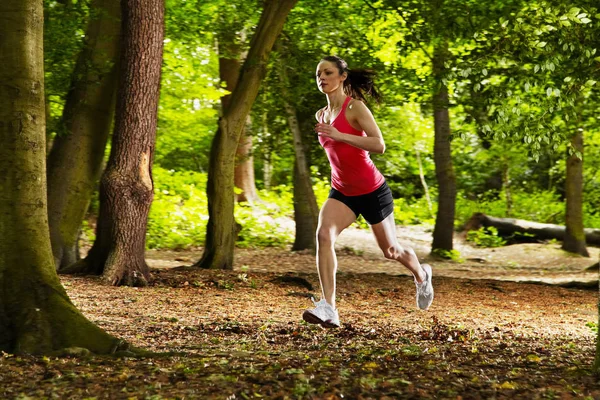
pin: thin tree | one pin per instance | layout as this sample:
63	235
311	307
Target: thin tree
75	161
574	233
126	187
306	210
221	227
36	315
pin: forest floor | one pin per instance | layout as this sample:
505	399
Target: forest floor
239	334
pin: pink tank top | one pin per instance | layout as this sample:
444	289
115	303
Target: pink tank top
352	171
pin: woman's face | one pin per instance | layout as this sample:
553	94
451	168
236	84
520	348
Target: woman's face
328	77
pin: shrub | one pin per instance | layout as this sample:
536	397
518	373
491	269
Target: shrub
486	237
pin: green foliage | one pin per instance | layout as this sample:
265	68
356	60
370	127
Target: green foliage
453	255
486	237
593	326
179	214
413	213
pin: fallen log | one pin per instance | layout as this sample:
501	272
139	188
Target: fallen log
522	231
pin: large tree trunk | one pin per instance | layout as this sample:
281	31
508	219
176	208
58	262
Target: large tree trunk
229	72
77	154
126	187
220	230
521	231
574	236
36	315
444	171
306	210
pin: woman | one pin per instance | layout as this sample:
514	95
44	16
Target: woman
348	133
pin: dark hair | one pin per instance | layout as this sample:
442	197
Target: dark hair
359	81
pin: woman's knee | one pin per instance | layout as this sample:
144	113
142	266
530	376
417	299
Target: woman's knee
398	253
391	253
325	236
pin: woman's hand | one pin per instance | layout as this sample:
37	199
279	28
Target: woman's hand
327	131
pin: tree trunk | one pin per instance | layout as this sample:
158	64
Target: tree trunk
527	231
424	182
574	236
596	367
267	164
126	187
444	171
36	315
506	185
229	72
75	161
244	168
220	230
306	210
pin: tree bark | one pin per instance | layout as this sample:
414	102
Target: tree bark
126	187
267	164
306	210
596	367
574	240
36	315
444	171
75	161
220	230
424	182
229	72
508	227
244	168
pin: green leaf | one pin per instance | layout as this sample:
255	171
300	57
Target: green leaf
536	68
542	44
568	79
549	92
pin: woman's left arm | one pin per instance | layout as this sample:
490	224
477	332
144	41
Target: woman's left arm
359	116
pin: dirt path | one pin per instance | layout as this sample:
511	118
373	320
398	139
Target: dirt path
241	336
358	253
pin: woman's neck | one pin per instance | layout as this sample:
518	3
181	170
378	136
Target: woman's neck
336	99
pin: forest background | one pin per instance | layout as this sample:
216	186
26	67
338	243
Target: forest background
512	115
488	108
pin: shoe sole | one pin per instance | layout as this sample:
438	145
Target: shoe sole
312	319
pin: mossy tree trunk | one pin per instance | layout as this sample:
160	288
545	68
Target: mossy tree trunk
221	228
77	154
442	153
574	241
36	315
126	187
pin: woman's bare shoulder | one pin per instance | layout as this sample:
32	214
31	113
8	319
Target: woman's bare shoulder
357	109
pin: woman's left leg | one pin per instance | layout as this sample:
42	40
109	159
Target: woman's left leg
385	234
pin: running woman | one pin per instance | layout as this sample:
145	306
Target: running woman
348	133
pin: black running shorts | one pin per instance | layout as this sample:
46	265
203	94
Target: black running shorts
374	206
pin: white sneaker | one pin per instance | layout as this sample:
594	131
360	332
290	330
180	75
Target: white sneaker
323	314
425	289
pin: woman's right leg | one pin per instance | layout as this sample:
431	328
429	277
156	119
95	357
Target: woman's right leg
334	217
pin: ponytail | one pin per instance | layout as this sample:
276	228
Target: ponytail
359	82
